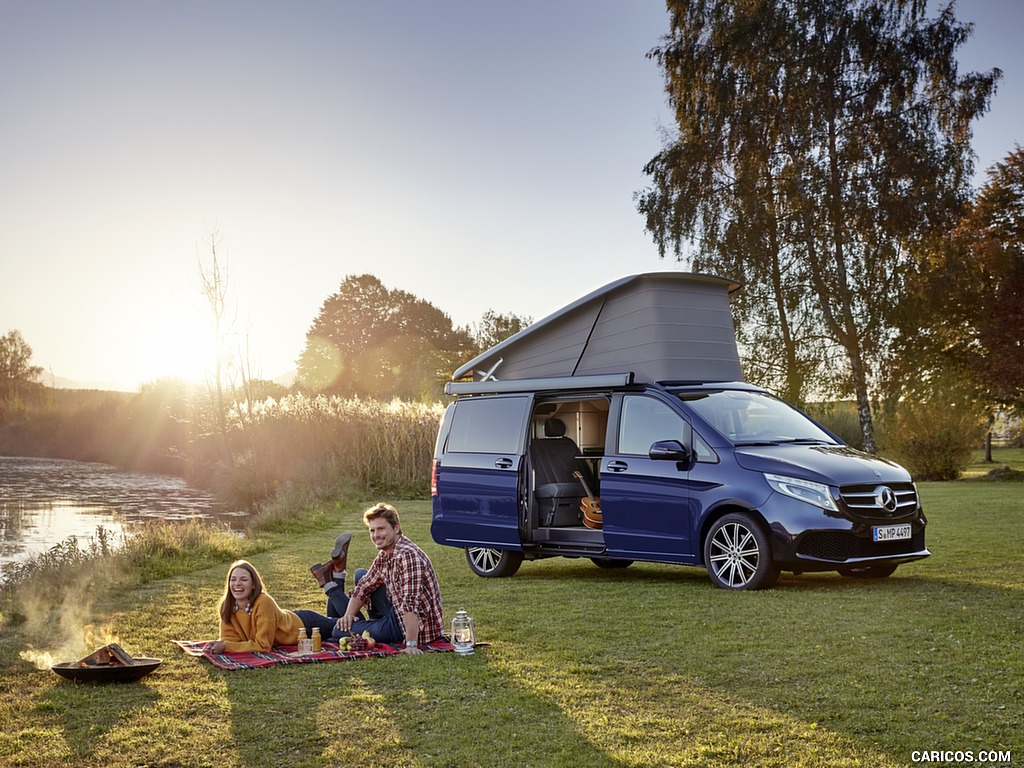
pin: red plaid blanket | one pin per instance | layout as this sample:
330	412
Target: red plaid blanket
288	654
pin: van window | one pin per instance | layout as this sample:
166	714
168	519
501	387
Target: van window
753	417
645	421
488	425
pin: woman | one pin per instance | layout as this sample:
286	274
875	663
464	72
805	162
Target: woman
250	619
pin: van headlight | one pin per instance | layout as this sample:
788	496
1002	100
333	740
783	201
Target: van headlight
817	494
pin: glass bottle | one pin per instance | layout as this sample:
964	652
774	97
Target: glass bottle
317	641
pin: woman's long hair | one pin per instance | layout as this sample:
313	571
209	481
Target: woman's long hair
227	603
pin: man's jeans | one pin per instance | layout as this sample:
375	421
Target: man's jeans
382	624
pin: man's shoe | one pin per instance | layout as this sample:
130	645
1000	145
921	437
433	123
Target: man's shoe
322	573
339	555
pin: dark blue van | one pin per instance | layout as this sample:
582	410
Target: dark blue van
671	458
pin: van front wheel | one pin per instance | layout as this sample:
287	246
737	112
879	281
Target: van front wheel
493	563
738	555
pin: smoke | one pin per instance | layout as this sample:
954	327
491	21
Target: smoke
58	622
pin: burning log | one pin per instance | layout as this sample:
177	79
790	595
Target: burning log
112	655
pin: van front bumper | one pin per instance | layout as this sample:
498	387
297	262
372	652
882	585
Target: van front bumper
807	538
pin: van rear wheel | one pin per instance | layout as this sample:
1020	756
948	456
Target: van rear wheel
493	563
738	555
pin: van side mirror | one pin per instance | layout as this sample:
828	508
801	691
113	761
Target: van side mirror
669	450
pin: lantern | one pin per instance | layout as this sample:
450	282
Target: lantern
462	633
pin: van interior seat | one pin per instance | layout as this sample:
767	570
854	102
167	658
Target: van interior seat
553	458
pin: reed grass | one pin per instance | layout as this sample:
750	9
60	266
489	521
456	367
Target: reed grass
383	448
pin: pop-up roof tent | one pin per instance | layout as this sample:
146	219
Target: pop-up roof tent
654	327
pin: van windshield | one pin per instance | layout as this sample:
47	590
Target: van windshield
754	418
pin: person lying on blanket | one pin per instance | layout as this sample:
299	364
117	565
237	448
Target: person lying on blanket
250	619
399	589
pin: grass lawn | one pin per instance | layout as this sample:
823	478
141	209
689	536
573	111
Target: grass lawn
646	666
1001	458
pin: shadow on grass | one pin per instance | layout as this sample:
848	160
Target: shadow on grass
87	712
925	657
432	709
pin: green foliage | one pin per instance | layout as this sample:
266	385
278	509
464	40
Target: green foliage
981	318
494	328
817	142
935	436
840	418
647	666
19	383
370	341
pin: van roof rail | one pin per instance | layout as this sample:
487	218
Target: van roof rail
491	386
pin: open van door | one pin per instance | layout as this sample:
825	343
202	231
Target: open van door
479	473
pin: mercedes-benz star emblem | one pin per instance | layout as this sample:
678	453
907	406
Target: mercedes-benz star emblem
885	498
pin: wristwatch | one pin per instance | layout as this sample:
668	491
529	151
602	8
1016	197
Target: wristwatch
411	644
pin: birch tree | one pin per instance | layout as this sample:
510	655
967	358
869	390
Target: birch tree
816	142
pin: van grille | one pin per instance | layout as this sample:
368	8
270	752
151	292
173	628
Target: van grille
839	546
888	500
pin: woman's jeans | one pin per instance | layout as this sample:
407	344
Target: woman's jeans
312	619
382	622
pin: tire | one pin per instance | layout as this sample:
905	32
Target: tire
606	563
738	555
870	571
493	563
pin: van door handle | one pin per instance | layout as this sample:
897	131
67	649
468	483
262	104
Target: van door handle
617	466
503	463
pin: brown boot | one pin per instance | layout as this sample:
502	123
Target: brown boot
339	555
322	573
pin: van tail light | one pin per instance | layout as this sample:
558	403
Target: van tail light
433	478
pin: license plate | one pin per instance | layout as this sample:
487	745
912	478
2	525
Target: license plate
890	532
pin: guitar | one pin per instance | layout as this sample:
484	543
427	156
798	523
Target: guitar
590	506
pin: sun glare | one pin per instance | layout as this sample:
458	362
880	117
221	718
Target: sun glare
178	350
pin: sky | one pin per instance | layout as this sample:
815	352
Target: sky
479	155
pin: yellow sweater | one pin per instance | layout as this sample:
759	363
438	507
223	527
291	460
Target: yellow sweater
262	628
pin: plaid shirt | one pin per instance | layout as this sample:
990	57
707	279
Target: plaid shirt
408	575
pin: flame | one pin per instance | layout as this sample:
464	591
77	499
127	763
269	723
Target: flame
99	637
92	637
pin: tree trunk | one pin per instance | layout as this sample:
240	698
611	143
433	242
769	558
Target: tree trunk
860	388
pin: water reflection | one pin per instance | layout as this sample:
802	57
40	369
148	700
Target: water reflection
44	501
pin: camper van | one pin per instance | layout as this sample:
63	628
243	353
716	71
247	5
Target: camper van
619	429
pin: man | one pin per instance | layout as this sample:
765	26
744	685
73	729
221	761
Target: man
399	589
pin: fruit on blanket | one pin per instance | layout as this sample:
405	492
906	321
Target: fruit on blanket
358	643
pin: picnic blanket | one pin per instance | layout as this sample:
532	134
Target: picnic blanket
288	654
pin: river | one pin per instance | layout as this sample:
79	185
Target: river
45	501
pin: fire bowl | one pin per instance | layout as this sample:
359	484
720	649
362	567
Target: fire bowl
103	673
